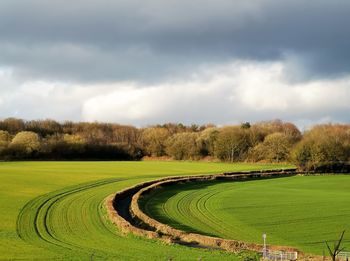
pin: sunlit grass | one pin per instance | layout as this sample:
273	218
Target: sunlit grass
61	214
299	211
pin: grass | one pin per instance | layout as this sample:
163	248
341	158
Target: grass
299	211
54	210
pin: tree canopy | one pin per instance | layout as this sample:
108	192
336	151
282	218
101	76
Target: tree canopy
323	147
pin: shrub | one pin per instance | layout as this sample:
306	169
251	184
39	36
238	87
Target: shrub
323	148
25	143
275	148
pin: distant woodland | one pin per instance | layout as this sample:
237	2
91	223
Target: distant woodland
322	148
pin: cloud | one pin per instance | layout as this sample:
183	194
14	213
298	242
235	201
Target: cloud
189	61
108	41
42	99
230	93
226	93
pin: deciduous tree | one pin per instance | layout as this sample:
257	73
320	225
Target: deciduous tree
232	143
153	140
26	142
183	146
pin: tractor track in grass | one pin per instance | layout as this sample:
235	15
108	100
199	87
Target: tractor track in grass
34	222
57	220
77	225
200	207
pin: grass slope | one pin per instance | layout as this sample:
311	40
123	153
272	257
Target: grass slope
295	211
54	210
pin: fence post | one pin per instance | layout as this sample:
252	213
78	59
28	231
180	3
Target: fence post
264	249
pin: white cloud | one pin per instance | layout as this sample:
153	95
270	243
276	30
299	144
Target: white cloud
42	99
125	103
262	87
227	93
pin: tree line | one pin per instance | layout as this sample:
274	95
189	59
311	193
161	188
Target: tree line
323	147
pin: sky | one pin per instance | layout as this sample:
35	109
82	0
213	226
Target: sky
155	61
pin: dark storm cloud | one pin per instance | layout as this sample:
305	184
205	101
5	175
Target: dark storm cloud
152	40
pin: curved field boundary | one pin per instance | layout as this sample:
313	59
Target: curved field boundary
124	211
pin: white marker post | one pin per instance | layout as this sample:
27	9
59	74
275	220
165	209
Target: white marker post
264	249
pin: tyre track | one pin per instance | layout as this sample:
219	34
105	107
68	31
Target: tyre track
34	219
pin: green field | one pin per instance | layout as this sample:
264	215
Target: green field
299	211
54	210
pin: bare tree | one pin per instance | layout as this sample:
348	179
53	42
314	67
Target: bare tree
333	252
